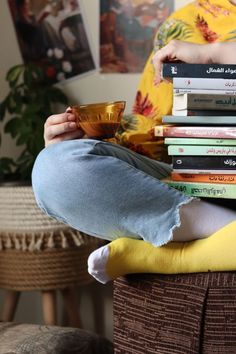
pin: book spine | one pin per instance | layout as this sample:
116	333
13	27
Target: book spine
204	162
202	171
200	120
200	112
196	83
209	190
200	141
212	71
198	150
178	91
205	178
195	132
202	101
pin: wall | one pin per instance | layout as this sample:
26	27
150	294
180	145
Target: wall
93	87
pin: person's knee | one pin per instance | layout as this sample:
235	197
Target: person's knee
55	172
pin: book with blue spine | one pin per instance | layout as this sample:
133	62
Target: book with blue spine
200	120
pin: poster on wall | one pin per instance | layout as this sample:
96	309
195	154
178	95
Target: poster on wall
127	29
52	34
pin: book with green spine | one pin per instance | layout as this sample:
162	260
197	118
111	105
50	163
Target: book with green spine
199	150
207	190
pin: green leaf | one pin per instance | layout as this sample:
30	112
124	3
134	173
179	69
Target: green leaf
56	95
3	107
14	74
29	102
12	127
6	167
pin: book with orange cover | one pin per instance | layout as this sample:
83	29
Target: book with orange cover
207	178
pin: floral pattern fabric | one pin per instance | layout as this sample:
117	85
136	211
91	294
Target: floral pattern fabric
202	21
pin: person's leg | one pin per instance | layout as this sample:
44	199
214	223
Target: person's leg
127	256
108	191
201	219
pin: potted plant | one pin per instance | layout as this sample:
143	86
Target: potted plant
30	100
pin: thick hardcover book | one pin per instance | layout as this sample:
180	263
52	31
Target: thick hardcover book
204	178
196	83
202	91
200	141
212	71
200	112
205	162
198	150
200	120
204	101
209	190
195	132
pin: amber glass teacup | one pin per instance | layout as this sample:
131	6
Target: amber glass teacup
99	120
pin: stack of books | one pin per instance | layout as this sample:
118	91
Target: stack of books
201	132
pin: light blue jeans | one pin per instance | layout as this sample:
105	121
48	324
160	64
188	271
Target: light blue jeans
107	191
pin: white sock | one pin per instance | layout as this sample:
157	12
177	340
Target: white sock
200	219
97	264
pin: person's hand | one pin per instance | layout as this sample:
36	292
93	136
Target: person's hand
60	127
177	50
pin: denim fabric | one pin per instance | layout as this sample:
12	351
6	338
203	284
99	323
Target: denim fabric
107	191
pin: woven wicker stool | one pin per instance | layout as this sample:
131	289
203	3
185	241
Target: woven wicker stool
175	314
39	253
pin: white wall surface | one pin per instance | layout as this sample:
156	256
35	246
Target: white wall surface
93	87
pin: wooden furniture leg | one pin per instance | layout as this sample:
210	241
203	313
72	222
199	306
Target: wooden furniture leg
49	307
11	299
71	303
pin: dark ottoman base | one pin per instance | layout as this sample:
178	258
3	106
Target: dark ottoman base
175	314
35	339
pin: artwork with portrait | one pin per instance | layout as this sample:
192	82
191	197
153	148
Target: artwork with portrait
127	29
52	34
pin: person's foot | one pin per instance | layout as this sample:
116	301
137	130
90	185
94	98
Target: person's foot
97	264
128	256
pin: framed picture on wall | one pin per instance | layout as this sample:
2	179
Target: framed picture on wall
52	34
127	29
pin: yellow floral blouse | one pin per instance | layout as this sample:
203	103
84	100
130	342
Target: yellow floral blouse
202	21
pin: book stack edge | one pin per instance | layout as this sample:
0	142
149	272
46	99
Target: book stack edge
201	132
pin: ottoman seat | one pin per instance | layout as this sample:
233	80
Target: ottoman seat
175	314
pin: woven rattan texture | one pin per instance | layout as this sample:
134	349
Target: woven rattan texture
50	269
36	251
20	213
175	314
